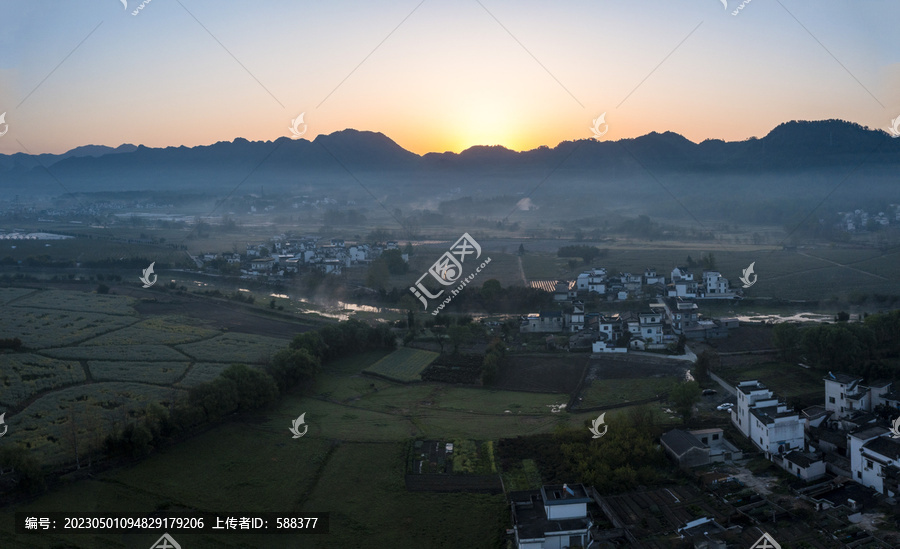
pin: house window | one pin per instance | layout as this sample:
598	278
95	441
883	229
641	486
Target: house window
859	474
715	437
575	541
831	400
868	464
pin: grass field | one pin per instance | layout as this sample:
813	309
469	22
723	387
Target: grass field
606	392
403	365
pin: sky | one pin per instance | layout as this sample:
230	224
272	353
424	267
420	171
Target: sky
438	75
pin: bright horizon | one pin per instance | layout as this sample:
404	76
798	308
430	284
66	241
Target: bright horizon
439	152
436	77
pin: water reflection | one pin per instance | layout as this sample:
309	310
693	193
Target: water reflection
797	317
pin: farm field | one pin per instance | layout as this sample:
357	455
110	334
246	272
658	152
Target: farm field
545	374
404	364
352	455
610	392
614	381
96	360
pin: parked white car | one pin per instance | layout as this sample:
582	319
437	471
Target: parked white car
725	406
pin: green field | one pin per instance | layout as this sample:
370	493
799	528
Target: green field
244	348
404	364
606	392
94	360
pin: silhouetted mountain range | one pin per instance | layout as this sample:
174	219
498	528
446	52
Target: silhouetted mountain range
347	158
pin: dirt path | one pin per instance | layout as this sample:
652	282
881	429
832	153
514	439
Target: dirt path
522	272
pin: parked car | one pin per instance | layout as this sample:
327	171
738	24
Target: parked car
725	406
707	392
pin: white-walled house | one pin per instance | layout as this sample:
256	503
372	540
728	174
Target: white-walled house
592	281
575	317
263	264
880	465
650	326
555	517
681	273
855	442
804	465
769	424
846	395
715	285
651	278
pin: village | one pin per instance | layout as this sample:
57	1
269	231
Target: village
283	255
674	317
843	457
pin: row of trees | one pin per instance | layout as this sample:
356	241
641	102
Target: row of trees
857	348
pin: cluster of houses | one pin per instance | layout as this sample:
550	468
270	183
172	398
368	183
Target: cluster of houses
843	438
841	441
283	255
711	285
675	314
860	220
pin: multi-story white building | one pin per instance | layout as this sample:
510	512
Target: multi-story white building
575	317
846	395
715	285
555	517
651	327
771	425
880	465
855	442
592	281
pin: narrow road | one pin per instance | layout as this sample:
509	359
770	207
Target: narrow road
522	272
